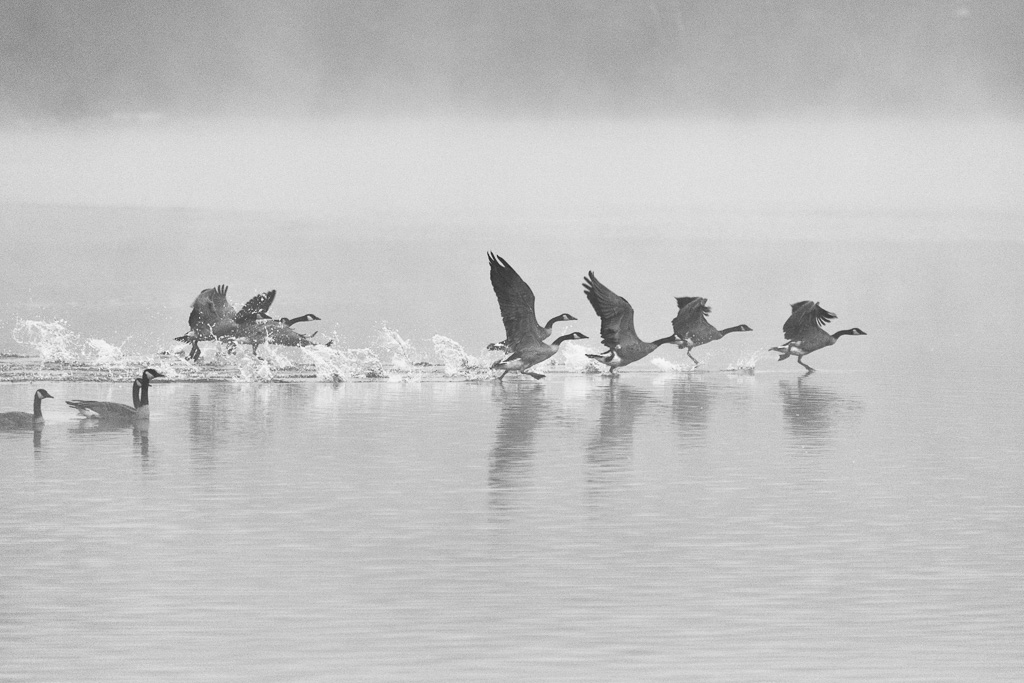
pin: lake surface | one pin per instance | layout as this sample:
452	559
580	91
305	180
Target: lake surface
382	509
841	526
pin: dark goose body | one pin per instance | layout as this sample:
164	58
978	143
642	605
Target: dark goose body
692	327
804	334
108	410
617	330
19	420
517	304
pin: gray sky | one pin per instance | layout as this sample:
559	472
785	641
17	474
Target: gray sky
743	57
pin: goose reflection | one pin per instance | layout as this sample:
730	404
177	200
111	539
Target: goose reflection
523	406
140	432
809	412
691	401
612	446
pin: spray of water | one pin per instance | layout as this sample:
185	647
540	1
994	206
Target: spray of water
52	341
458	363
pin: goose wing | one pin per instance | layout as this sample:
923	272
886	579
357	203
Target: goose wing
210	307
516	301
693	310
103	409
806	317
256	307
615	312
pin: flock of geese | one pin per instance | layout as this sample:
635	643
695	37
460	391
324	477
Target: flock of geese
524	336
213	318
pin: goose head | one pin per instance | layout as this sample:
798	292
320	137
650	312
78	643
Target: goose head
42	393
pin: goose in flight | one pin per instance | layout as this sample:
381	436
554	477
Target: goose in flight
529	350
617	330
107	410
692	327
516	301
804	334
262	331
19	420
213	317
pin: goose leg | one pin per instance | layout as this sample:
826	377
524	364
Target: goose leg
502	376
695	361
801	362
535	375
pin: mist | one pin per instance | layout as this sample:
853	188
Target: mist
406	116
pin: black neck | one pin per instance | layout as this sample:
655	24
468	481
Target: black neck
840	333
551	322
562	339
731	329
37	407
136	400
144	393
665	340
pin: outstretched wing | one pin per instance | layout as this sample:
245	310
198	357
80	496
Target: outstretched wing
693	310
256	307
806	317
615	312
515	299
210	307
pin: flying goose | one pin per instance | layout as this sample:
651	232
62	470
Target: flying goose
692	327
803	330
213	317
106	410
516	301
262	331
617	331
18	420
529	350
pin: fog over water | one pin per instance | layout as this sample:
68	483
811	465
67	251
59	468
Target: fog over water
464	114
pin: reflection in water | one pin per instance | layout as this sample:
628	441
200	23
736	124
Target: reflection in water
690	403
612	446
140	439
809	412
522	408
140	431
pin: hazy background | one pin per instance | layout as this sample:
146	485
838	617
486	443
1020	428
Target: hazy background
361	157
518	114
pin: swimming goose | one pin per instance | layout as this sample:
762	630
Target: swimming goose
617	331
107	410
528	349
19	420
803	330
692	327
213	317
516	301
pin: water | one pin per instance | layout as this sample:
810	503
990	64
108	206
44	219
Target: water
384	510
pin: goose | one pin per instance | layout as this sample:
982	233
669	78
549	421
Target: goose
692	327
803	330
617	331
308	318
106	410
213	317
516	301
528	349
256	332
19	420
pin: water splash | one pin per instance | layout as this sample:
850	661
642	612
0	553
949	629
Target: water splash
572	357
665	365
458	363
53	342
401	350
336	365
747	364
